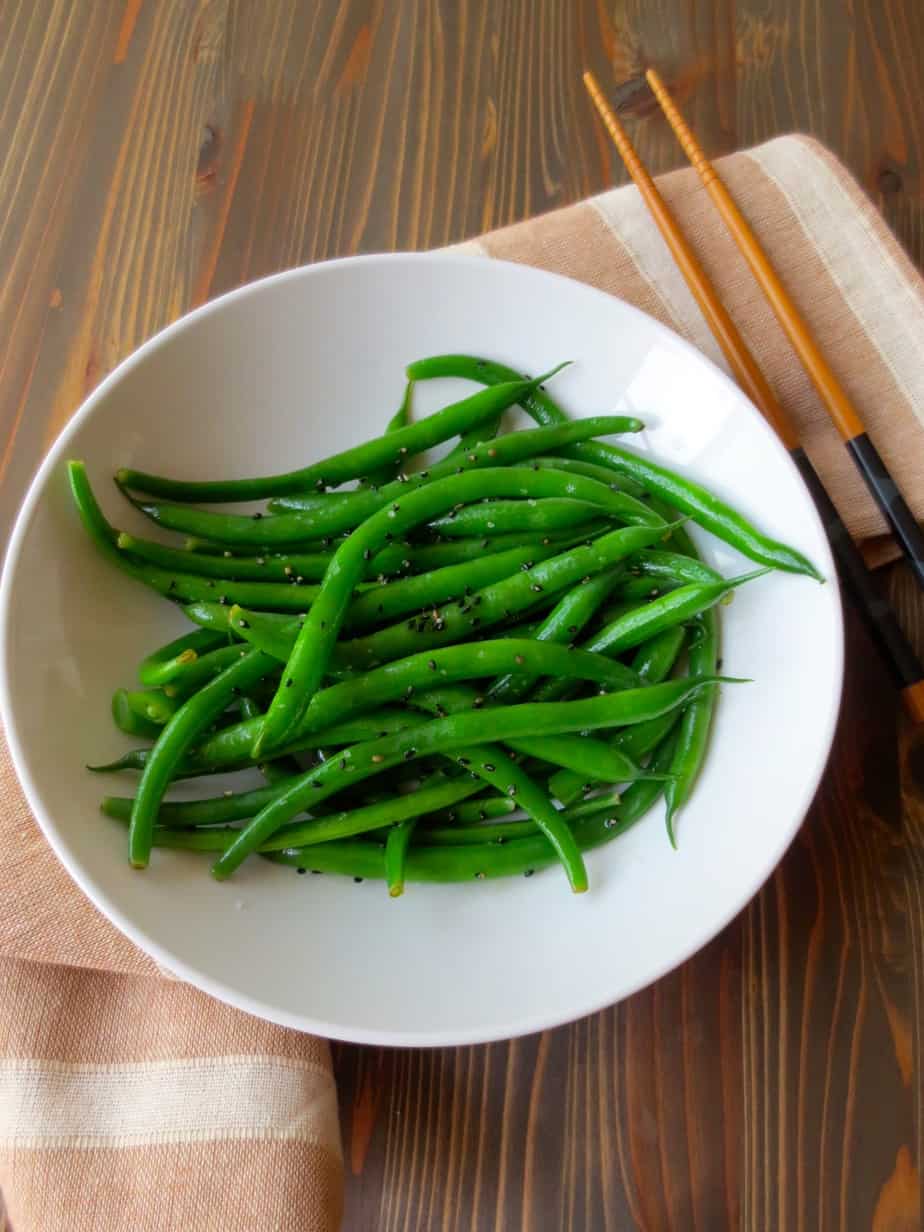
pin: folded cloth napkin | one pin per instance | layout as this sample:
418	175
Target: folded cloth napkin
129	1100
849	277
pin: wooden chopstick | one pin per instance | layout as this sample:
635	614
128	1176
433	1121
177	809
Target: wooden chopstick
881	619
844	414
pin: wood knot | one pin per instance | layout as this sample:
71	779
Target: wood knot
889	181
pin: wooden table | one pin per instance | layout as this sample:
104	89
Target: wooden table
158	152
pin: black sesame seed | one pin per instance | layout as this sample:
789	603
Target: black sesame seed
432	665
519	660
343	763
489	767
464	761
289	683
480	876
358	880
536	587
227	555
243	624
257	516
572	628
477	703
512	789
301	870
529	872
367	554
223	599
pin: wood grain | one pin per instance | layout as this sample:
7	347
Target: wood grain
156	153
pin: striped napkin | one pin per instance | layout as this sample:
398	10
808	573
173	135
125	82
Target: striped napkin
855	286
129	1100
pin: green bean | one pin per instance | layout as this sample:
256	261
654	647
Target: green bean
188	814
593	470
683	494
491	605
562	625
320	631
128	720
653	660
511	449
461	836
369	727
479	810
426	590
584	755
227	565
695	722
395	560
672	566
175	740
644	622
162	665
349	463
396	846
205	668
152	704
505	517
440	735
322	830
503	832
386	473
211	616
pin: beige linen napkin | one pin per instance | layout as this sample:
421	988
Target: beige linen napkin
128	1100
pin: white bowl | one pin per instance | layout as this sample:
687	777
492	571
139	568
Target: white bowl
288	370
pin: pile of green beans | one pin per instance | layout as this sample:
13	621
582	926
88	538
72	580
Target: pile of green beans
449	670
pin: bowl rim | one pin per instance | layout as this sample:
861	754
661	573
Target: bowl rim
217	988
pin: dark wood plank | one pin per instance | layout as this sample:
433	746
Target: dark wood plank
156	153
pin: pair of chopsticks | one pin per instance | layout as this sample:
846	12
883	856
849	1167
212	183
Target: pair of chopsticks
872	604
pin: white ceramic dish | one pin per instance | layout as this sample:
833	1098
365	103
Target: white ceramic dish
287	370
